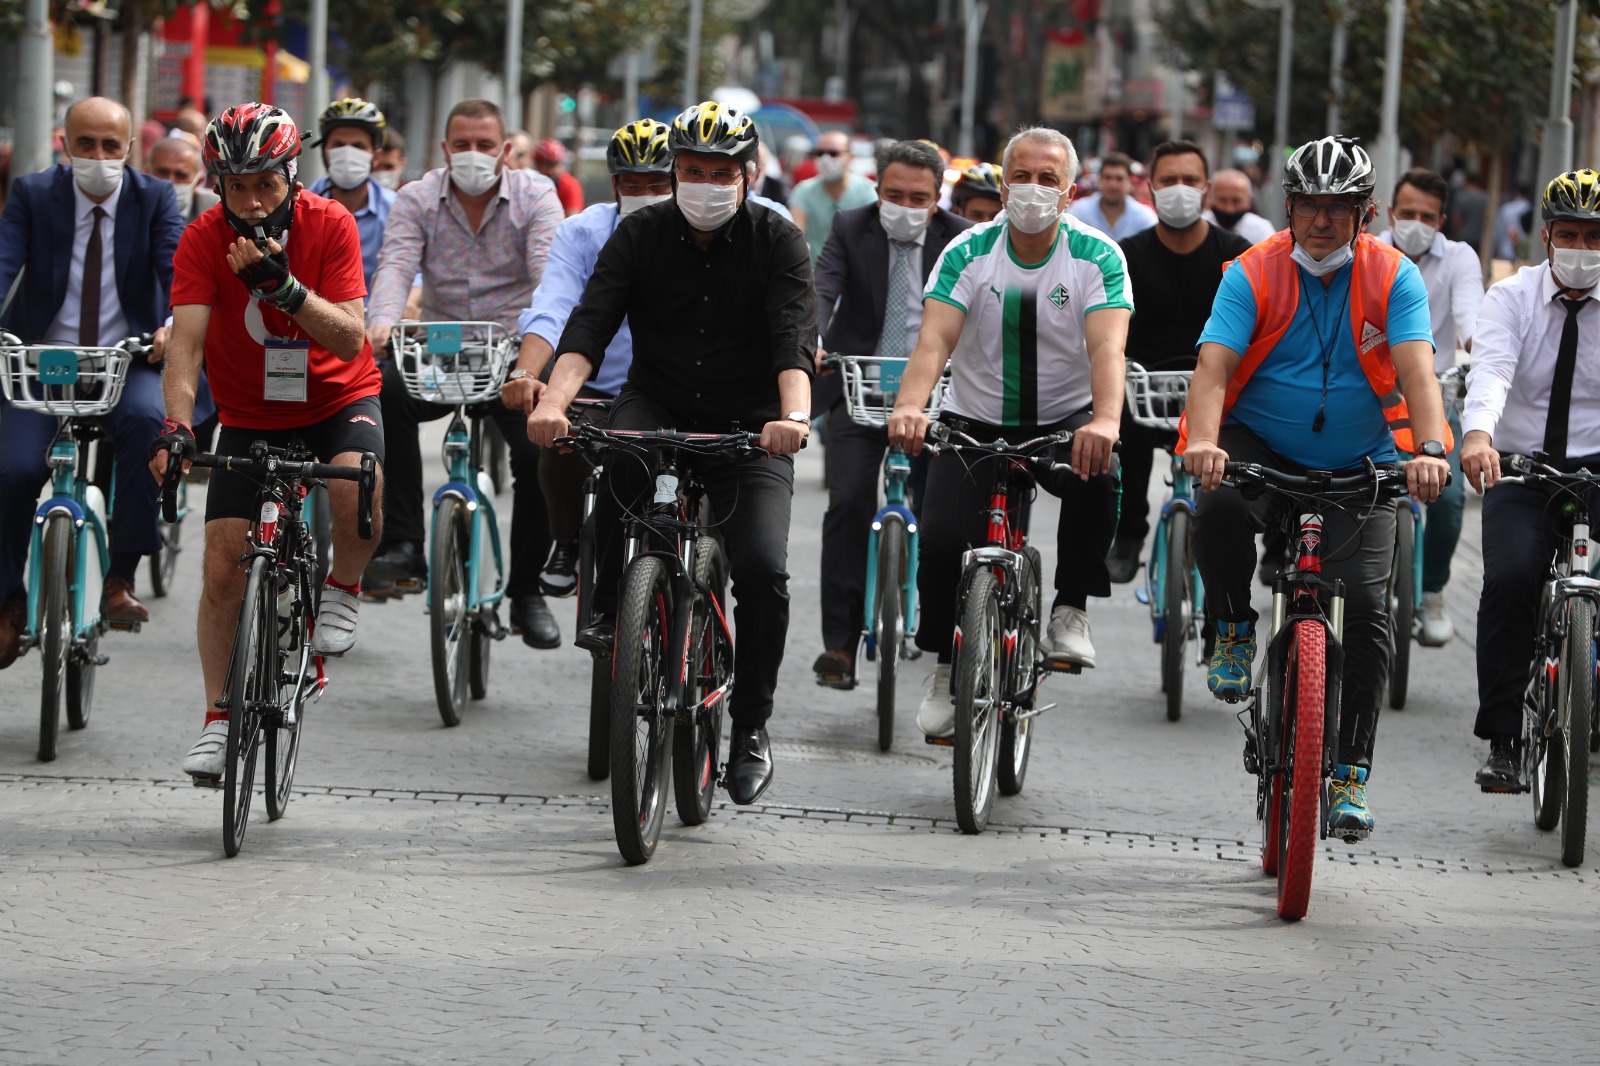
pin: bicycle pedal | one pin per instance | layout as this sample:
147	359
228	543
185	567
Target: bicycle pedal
1352	836
942	742
124	627
843	684
1062	668
1495	790
205	781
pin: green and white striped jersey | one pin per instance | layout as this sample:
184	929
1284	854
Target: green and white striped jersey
1022	358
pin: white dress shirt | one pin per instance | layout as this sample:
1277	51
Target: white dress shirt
1251	226
1454	278
113	326
1514	365
913	308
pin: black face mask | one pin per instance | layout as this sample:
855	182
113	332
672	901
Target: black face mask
1228	219
274	226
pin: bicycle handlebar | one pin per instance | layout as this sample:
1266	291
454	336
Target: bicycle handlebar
1389	481
275	462
1035	452
591	439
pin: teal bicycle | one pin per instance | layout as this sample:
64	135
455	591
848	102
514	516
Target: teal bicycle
68	557
1172	587
461	364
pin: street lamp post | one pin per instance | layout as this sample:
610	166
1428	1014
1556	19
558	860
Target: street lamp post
1555	152
513	65
1388	162
34	79
1336	72
975	11
691	60
1271	203
317	87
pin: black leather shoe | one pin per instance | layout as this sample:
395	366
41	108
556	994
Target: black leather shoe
533	619
599	635
749	765
1501	773
398	562
1123	561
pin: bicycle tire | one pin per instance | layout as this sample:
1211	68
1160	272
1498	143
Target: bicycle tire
54	627
600	718
695	749
1577	689
449	628
977	700
1269	713
255	648
321	526
1016	734
1402	604
890	626
496	456
641	723
164	563
283	744
1178	607
1544	758
82	665
1301	812
480	647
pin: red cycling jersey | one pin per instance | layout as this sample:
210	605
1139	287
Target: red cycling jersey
325	254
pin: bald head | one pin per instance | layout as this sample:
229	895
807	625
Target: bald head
176	160
1231	191
98	128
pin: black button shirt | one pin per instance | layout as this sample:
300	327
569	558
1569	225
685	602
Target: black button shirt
712	328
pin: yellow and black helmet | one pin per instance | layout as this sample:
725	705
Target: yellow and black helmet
640	148
980	179
353	111
714	129
1575	195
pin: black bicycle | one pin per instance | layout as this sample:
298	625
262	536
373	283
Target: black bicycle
273	671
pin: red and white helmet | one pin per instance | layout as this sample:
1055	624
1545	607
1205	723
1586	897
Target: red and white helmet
251	139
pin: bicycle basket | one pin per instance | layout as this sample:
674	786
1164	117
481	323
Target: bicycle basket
1157	397
871	384
63	382
452	362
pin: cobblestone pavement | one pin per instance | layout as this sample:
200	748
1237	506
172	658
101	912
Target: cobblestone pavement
455	895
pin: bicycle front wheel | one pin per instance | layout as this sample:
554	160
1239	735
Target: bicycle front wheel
282	742
978	701
1300	809
1402	603
641	721
694	750
890	624
1016	733
164	563
1177	605
54	628
252	685
449	623
1577	689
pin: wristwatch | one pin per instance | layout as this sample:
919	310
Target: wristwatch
1432	449
518	374
798	416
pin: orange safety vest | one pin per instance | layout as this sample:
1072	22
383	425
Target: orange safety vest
1272	274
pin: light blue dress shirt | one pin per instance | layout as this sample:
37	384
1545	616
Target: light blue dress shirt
573	253
370	221
1136	217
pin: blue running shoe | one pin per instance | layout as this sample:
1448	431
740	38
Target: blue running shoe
1348	818
1229	675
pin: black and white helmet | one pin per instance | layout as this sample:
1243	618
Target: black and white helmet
1331	166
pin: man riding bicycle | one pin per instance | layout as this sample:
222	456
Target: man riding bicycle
1318	342
1031	311
1534	387
267	293
718	292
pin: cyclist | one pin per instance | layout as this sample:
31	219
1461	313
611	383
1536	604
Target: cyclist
1454	279
1031	311
1175	265
91	209
1534	386
718	292
267	292
1318	341
550	159
641	175
480	234
352	132
874	266
976	194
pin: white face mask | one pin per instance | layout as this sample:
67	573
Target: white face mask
474	173
830	168
627	205
389	179
1413	237
707	207
98	177
1321	268
185	194
902	223
1178	206
349	166
1576	268
1033	208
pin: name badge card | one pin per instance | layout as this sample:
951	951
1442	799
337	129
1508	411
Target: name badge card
286	364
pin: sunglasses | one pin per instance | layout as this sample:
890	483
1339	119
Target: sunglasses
827	151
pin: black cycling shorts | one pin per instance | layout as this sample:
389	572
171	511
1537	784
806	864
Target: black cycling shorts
356	428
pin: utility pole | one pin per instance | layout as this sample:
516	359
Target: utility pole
317	87
1271	202
1388	161
1335	120
975	11
35	77
691	62
513	67
1555	151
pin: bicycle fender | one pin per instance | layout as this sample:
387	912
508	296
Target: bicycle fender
459	489
59	503
899	509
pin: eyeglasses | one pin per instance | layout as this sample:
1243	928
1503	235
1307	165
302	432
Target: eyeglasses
1337	212
1573	238
828	151
696	176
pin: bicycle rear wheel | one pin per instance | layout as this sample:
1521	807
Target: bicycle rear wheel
448	622
54	627
1402	603
296	670
1577	689
252	684
1301	807
164	563
479	647
1016	734
82	664
1177	605
694	749
978	698
641	721
600	718
890	620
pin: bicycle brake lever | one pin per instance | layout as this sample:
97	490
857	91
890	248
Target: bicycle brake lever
169	484
368	485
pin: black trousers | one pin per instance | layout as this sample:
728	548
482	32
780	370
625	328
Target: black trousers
955	517
1520	534
750	500
1358	549
561	478
403	502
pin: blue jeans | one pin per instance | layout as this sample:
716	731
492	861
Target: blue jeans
1443	531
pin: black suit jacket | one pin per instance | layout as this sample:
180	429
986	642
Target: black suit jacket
853	272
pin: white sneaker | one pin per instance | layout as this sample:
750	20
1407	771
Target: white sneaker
1067	639
936	716
1436	626
336	622
210	753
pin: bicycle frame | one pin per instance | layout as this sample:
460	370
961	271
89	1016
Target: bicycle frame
1180	499
896	479
72	494
1570	579
282	550
469	483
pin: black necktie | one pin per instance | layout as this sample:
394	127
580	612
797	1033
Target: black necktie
89	316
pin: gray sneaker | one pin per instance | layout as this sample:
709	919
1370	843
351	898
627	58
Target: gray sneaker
1436	627
209	755
1068	640
936	716
336	622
